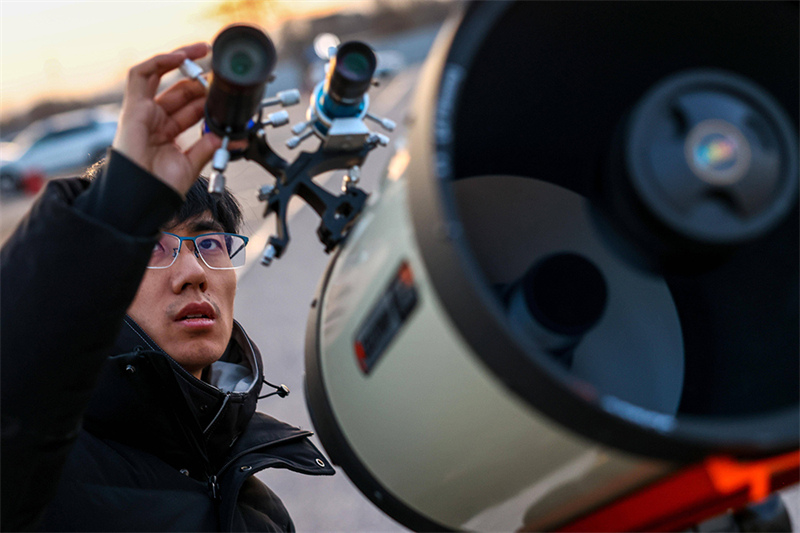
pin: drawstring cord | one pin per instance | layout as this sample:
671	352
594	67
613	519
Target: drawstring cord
282	390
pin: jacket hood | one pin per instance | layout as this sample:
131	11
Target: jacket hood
144	398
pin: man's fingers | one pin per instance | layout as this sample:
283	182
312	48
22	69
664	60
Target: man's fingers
143	78
189	115
180	94
194	51
202	151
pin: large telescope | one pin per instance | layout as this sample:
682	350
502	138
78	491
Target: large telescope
573	304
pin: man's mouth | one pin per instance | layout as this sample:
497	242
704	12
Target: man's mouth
197	313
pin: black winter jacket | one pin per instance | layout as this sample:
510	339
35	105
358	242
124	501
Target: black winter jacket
102	430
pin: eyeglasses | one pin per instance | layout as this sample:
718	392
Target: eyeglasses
219	251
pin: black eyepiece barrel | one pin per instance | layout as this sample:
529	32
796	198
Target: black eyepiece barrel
351	72
242	61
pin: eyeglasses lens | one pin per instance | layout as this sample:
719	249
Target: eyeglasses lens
164	251
218	250
221	250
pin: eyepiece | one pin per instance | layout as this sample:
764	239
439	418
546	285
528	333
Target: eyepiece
243	58
351	72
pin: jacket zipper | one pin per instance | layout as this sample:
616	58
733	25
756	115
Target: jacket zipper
214	489
219	413
213	484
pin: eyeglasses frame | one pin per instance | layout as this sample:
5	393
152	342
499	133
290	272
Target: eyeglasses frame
197	253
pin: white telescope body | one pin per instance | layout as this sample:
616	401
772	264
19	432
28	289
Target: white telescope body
441	403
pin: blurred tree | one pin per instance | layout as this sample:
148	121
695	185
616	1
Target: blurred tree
260	12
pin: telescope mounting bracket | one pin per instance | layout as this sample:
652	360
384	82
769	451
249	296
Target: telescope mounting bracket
346	141
337	212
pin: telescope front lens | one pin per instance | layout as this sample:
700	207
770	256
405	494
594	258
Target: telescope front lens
356	66
241	63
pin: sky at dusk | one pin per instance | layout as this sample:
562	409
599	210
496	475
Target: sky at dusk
70	49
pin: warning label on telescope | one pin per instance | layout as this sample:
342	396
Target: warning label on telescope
385	319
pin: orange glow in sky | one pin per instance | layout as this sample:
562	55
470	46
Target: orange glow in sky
62	49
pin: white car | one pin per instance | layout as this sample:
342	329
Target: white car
66	142
390	63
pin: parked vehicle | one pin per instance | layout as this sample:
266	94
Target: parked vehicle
57	145
390	63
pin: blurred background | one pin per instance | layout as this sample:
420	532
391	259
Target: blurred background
63	65
59	56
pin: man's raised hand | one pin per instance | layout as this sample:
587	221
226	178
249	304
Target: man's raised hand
150	124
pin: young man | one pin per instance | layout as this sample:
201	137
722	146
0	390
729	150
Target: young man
128	391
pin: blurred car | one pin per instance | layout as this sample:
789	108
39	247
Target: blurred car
59	144
390	62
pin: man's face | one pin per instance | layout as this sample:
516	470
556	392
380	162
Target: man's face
188	287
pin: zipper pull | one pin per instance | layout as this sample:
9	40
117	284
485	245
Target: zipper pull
219	412
213	488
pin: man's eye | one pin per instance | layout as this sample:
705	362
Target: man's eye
211	244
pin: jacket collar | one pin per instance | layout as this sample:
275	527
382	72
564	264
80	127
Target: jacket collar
145	399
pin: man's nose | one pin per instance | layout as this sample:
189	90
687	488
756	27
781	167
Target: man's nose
189	269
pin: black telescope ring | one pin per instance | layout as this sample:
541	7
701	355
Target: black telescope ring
476	311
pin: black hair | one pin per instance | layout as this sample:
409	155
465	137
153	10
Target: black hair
225	208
